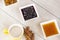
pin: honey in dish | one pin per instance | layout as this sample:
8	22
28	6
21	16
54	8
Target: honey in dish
50	29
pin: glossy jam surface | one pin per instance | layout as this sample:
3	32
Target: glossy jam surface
29	12
50	29
8	2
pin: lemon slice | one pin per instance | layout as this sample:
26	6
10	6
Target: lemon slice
5	31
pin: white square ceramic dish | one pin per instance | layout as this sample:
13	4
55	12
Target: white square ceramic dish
10	4
26	7
47	22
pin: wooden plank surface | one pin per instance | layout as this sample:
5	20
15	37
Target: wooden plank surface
52	6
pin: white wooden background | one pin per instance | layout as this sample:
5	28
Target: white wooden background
47	10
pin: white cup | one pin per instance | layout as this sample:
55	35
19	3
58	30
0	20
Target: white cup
16	30
48	29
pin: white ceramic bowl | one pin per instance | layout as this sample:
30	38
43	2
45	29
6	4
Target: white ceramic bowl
13	31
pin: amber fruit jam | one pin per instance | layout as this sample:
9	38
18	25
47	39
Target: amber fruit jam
50	29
